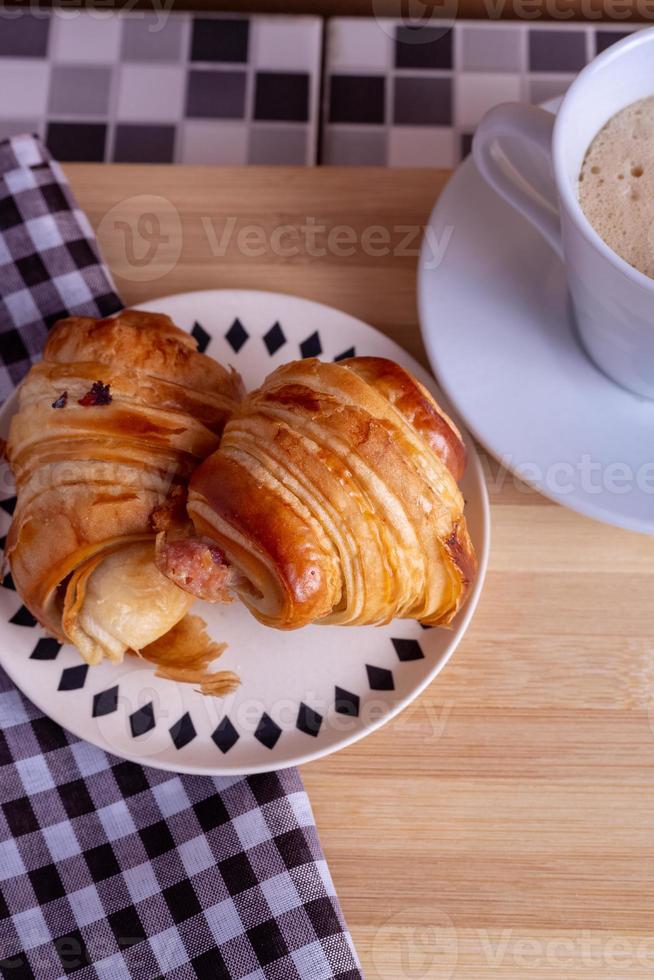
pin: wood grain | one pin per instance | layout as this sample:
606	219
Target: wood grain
502	826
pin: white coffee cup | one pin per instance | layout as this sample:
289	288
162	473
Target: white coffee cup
519	148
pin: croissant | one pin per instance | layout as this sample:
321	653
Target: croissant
110	425
333	499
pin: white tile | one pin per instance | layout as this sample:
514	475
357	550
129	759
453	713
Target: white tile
421	146
287	43
151	93
476	94
214	142
27	81
84	36
358	43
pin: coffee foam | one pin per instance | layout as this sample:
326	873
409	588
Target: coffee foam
616	184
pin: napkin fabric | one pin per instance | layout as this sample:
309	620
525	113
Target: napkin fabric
110	870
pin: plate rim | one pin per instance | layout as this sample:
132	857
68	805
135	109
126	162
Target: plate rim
463	619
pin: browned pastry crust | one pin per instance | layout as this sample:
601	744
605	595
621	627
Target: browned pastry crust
334	495
117	413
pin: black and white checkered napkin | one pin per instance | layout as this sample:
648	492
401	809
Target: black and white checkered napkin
108	869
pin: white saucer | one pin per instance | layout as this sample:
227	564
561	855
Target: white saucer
497	328
304	693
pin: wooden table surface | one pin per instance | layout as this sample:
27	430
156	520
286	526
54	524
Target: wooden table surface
502	826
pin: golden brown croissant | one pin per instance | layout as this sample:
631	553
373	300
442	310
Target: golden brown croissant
115	417
333	499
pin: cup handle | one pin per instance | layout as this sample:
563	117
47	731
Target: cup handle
527	192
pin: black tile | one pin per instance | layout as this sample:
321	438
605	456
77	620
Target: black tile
9	503
211	813
10	216
139	143
32	269
49	734
142	720
73	678
220	39
267	942
55	198
101	862
379	678
76	798
345	702
130	778
236	335
274	339
105	702
210	965
237	873
20	816
294	848
215	94
604	39
201	337
350	352
23	617
557	50
421	101
267	731
81	142
323	917
24	36
72	951
357	99
266	787
225	735
8	582
408	649
183	731
126	926
466	144
311	347
46	883
182	901
281	96
81	253
308	720
423	47
157	839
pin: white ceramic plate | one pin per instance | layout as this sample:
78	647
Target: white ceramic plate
305	693
497	327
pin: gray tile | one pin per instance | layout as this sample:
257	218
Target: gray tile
557	50
215	94
491	48
354	147
144	39
543	89
12	127
79	90
25	36
144	144
422	101
278	144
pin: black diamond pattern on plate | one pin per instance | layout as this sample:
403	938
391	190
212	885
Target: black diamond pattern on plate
23	617
311	347
73	678
183	731
274	339
268	731
8	505
308	720
46	649
408	650
105	702
345	702
236	335
200	335
142	720
350	352
380	679
8	582
225	736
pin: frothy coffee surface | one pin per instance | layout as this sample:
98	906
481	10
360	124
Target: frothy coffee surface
616	184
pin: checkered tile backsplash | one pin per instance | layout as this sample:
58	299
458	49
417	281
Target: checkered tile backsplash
156	88
191	88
